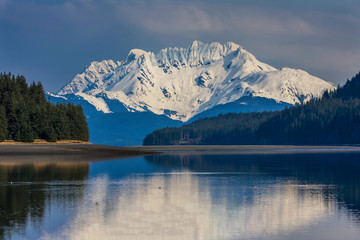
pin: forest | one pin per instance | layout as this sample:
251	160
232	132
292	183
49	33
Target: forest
332	119
26	114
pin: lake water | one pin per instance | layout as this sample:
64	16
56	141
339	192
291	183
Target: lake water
184	196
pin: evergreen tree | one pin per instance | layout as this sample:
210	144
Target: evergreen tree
3	124
26	114
333	119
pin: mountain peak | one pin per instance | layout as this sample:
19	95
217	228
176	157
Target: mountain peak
102	66
232	46
196	44
92	75
136	52
183	82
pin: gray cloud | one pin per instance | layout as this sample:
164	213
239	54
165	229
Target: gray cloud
51	41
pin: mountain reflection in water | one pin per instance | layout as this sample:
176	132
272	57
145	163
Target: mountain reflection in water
184	207
337	169
292	196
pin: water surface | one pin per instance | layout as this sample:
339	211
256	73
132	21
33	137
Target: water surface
184	196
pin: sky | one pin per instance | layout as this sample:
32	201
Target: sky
53	40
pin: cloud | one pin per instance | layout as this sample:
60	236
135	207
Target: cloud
170	19
52	40
323	42
176	18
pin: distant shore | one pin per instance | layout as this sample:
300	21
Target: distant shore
94	152
248	149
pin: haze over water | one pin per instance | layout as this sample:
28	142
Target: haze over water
184	196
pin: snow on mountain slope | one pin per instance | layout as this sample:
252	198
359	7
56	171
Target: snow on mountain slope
92	77
183	82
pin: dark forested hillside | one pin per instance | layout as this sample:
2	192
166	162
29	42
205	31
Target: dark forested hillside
26	114
333	119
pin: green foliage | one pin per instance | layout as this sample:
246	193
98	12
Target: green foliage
333	119
3	123
26	114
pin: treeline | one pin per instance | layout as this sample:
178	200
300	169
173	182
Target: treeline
26	114
332	119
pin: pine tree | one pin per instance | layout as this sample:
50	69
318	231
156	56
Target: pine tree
3	124
333	119
27	114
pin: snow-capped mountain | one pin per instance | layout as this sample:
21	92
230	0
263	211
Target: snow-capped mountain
183	82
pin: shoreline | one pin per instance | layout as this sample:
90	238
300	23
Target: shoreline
250	149
41	141
67	152
96	152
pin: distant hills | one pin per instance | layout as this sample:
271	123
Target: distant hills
182	85
332	119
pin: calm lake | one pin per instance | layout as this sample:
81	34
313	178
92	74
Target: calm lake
184	196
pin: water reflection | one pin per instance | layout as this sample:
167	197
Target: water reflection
340	170
181	206
23	198
184	197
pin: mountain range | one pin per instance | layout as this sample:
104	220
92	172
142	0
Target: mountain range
182	84
333	119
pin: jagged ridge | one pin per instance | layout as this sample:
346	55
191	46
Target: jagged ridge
183	82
